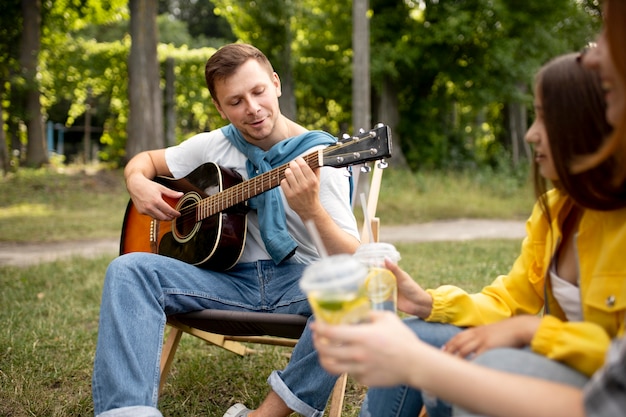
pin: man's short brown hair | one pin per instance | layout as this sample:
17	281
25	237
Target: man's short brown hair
227	60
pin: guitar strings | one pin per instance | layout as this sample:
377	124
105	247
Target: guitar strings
222	200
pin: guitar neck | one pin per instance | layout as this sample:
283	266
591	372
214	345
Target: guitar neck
245	190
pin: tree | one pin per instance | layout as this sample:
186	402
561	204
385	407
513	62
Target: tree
145	121
10	30
202	24
36	150
361	85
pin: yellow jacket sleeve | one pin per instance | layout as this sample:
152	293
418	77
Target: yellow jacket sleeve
519	292
581	345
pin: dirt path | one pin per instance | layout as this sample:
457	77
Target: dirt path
24	254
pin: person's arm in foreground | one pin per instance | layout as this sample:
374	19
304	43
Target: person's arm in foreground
385	352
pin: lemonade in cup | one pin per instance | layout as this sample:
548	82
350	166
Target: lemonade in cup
380	282
335	289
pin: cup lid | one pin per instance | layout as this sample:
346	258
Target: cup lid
377	250
336	271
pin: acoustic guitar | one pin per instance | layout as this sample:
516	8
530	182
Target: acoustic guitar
211	229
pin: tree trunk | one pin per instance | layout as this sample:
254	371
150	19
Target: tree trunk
36	152
170	102
517	129
288	105
87	133
388	113
5	159
145	119
288	98
361	99
361	102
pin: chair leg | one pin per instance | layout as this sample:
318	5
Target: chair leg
336	401
213	338
167	356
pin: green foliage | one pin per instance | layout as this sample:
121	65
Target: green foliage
453	65
84	66
323	57
10	31
88	74
194	109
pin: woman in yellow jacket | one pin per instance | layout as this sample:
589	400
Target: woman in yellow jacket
384	352
565	297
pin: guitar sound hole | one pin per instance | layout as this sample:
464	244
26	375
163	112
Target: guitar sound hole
186	226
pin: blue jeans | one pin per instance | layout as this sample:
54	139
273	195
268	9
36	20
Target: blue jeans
304	385
526	362
141	289
404	401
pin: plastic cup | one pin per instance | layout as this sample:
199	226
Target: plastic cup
380	282
335	289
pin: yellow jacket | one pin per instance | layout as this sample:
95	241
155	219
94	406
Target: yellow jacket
601	245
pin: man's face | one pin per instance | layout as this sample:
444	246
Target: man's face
249	100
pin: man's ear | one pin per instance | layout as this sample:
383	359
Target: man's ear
276	82
219	109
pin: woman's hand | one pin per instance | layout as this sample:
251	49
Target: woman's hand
516	331
412	298
374	353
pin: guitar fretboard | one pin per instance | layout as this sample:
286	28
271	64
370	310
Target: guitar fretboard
244	191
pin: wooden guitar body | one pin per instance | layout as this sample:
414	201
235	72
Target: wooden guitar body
215	242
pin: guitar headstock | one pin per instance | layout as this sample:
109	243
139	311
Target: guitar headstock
371	145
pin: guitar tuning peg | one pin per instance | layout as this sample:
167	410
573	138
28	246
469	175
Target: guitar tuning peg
378	125
345	137
382	164
361	131
365	168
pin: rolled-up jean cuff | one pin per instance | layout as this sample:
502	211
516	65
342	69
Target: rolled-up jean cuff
133	411
290	399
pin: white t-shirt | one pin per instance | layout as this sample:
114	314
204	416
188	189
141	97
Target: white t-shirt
567	295
215	147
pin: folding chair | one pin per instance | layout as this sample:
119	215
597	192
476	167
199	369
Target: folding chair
228	329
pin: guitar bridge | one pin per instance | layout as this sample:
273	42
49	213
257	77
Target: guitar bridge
154	235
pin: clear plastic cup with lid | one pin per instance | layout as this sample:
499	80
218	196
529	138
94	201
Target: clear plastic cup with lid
335	288
380	282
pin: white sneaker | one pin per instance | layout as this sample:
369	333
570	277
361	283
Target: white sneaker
238	410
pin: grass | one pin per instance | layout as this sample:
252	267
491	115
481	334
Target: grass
423	197
49	312
47	205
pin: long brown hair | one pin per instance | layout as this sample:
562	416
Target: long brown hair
615	145
227	60
574	117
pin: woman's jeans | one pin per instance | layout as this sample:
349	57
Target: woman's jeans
141	289
525	362
403	401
